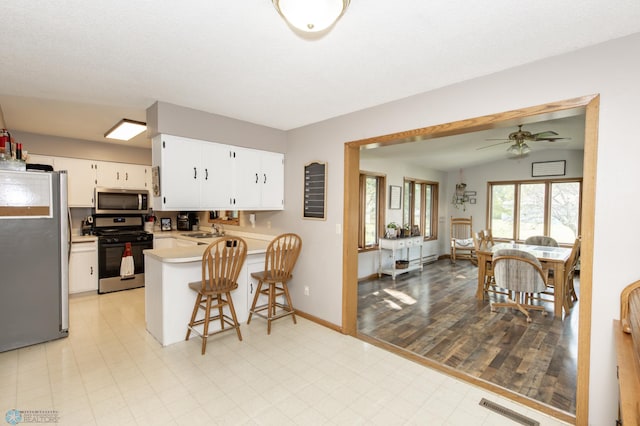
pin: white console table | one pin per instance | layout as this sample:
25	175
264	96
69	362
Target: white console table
395	244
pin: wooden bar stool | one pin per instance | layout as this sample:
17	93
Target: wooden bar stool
281	256
221	265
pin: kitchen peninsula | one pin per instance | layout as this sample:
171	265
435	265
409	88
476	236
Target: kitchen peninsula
168	299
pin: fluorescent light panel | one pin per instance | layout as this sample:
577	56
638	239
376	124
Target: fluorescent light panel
126	129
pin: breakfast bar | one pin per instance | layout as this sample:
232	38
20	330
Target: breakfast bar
168	299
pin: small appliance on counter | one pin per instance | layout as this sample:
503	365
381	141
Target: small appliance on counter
187	221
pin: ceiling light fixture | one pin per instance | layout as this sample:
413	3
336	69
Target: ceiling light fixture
311	16
126	129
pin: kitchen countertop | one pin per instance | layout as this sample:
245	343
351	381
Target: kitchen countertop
83	238
194	253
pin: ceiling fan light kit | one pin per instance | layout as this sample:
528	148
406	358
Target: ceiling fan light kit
520	147
311	16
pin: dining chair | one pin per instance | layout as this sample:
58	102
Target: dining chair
573	262
521	273
541	240
462	239
222	261
280	259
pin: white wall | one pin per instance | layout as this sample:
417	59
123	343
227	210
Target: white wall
610	69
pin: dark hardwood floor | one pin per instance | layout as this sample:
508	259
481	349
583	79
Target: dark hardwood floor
435	314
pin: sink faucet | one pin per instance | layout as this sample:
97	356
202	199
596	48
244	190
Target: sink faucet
218	228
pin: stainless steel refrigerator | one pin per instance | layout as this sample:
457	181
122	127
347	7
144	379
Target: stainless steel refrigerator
35	239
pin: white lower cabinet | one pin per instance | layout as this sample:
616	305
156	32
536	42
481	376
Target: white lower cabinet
252	283
83	267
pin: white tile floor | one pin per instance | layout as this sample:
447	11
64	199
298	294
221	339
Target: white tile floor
111	371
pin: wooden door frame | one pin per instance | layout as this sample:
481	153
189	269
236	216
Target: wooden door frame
587	105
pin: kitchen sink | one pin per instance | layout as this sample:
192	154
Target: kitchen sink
201	235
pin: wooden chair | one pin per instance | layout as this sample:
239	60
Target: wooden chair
481	242
570	295
221	264
280	259
574	260
541	240
462	239
521	273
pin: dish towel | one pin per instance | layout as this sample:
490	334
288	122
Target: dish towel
126	265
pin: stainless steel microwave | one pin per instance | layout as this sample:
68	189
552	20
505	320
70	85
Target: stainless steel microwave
121	201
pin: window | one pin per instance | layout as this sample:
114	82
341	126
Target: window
421	206
372	208
546	207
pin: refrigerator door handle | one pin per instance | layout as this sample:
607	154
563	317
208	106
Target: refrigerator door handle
65	242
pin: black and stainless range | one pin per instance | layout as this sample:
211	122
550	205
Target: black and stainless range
114	232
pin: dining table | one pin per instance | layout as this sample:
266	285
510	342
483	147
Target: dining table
552	258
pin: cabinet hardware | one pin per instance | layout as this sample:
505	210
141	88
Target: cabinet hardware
91	270
256	178
117	175
195	173
265	178
206	174
126	176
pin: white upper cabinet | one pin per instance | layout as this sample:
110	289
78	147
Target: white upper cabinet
120	175
180	163
201	175
81	180
85	175
259	179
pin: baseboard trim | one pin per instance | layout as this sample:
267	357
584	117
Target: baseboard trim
319	321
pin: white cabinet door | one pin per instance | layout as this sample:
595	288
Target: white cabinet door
260	179
248	178
217	189
180	163
272	180
83	267
121	175
81	180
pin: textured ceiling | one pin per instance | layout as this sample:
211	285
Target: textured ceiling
74	67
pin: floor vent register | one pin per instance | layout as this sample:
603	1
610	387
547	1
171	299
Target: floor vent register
510	414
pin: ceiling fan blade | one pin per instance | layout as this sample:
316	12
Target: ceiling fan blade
551	139
493	144
543	135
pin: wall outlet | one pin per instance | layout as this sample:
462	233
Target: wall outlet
306	290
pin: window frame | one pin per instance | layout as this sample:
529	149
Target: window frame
515	232
380	206
410	195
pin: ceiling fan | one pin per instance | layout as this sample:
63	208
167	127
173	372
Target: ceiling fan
519	138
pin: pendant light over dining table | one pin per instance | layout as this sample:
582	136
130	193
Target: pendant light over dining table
311	16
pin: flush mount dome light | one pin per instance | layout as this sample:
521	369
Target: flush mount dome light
311	16
126	129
